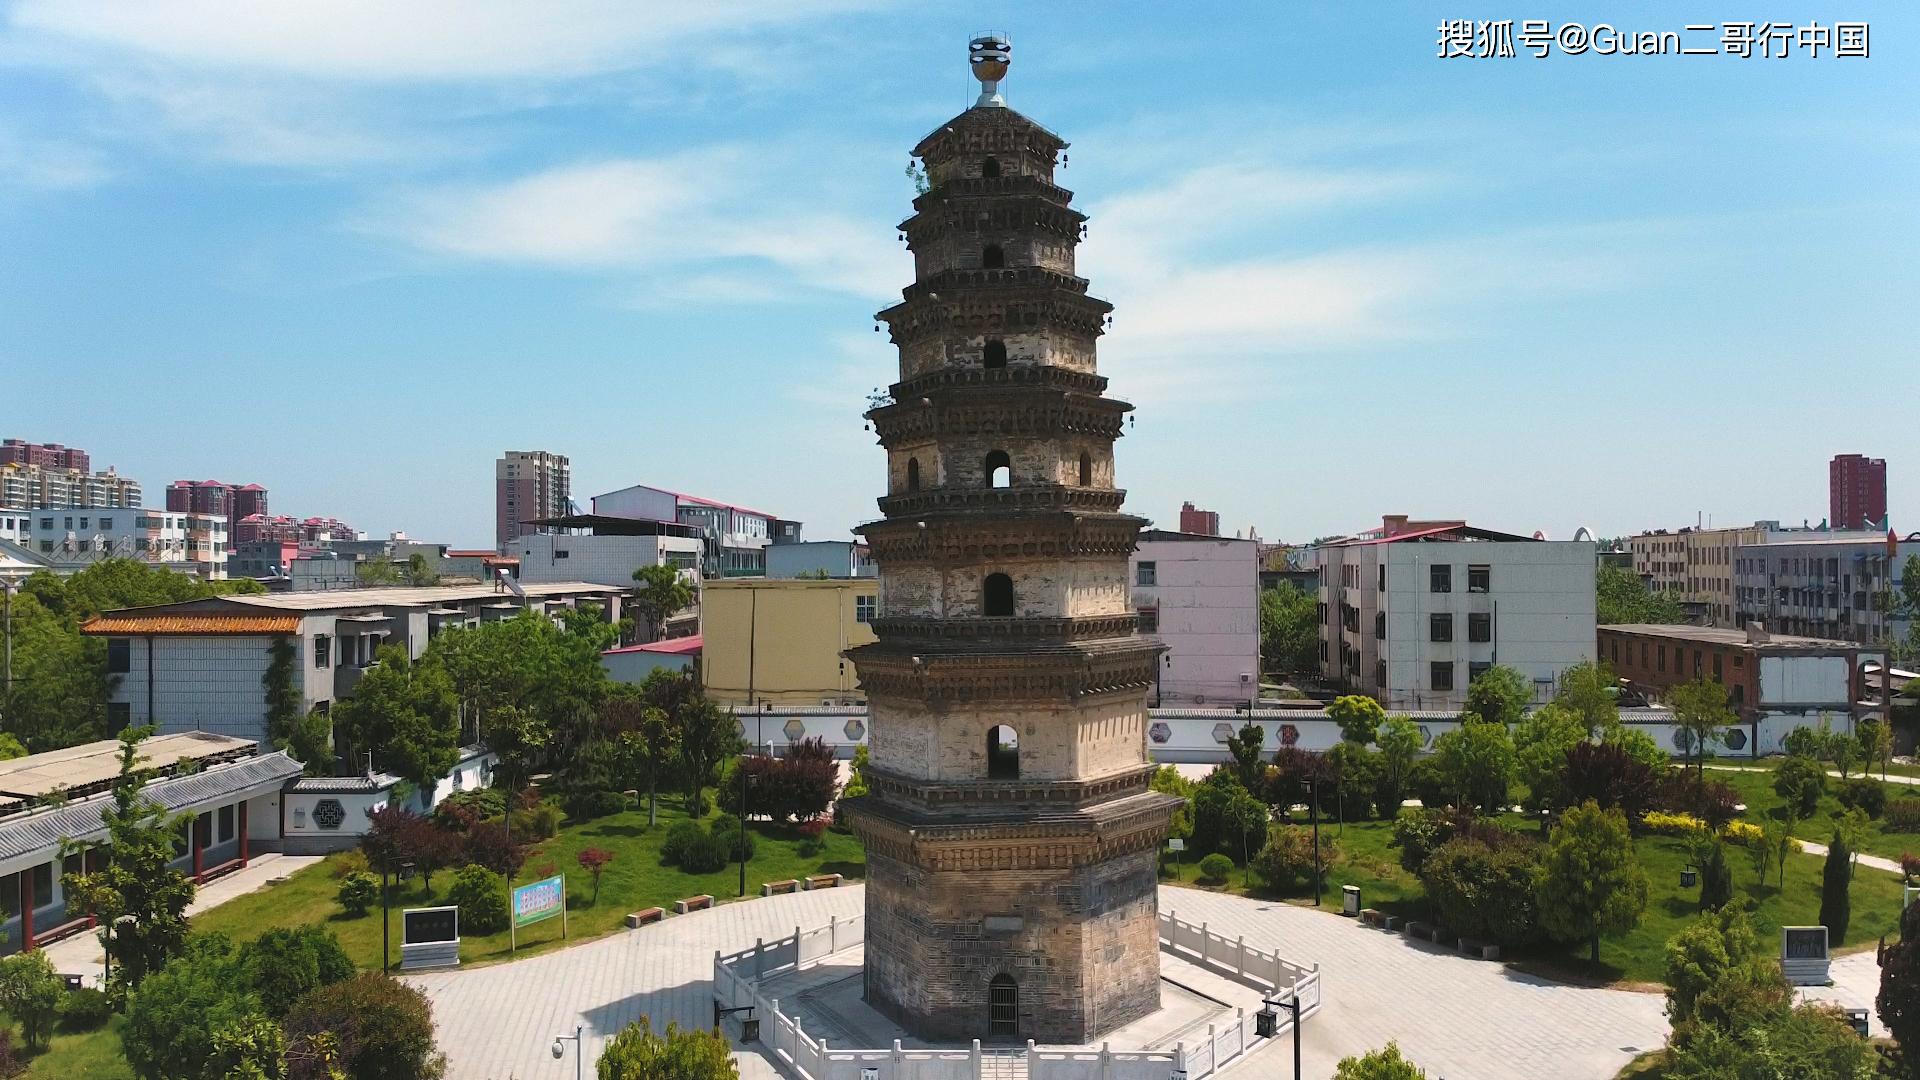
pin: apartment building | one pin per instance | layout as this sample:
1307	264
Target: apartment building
1412	612
1696	565
783	640
736	537
1833	587
1200	595
235	502
1196	522
76	536
1857	492
44	455
527	485
36	487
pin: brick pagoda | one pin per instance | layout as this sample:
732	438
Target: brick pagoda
1011	837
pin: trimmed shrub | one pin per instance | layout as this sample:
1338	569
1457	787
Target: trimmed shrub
84	1010
489	845
282	964
1902	815
734	838
680	835
380	1028
357	892
1801	781
1743	833
1804	742
1286	862
588	803
348	862
1836	902
1665	824
462	810
705	853
538	822
1910	864
1417	832
1863	794
1716	879
1485	892
1215	868
481	896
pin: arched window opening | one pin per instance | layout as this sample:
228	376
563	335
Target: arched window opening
990	168
1003	1008
999	469
995	353
992	258
1086	469
1003	753
996	596
913	474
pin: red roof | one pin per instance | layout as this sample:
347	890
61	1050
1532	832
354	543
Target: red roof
680	646
451	554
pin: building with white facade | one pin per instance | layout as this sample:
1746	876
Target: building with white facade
1200	595
200	665
834	558
45	486
1831	587
76	536
1412	612
736	538
1696	565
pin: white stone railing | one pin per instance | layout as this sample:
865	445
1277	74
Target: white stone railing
736	979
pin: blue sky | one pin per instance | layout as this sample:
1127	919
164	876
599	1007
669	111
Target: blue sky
352	251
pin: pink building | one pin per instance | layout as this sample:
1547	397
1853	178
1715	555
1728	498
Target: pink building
1200	595
45	455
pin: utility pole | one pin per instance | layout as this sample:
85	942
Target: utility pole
11	585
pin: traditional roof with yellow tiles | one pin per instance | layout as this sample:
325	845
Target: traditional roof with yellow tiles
160	622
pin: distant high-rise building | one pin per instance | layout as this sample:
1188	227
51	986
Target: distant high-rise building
235	502
528	485
1199	522
43	487
1857	492
45	455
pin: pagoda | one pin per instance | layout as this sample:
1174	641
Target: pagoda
1011	836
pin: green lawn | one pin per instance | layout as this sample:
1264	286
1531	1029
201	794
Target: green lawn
634	880
90	1055
1756	790
1367	860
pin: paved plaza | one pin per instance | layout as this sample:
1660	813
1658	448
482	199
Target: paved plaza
1460	1018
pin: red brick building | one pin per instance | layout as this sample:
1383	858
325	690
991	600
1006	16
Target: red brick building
1764	673
1857	492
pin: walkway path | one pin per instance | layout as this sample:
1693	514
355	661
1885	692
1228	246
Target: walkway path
1458	1017
1891	778
1891	866
81	954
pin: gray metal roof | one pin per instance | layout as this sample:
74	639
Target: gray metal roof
342	785
42	831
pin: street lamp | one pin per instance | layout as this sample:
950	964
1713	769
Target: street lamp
1263	1023
386	907
579	1049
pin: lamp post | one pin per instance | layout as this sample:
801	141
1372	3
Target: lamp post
579	1049
1292	1005
740	766
386	907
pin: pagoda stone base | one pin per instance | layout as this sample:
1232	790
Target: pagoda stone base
1080	943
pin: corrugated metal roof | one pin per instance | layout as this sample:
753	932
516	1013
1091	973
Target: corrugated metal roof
96	762
342	785
131	622
672	646
83	820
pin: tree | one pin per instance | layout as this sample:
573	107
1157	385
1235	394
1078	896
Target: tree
594	861
1359	717
283	697
1711	949
310	742
1541	741
1716	878
404	713
1620	597
1245	746
199	1019
1482	891
1700	709
1499	695
481	896
139	898
1476	762
30	992
1606	774
661	593
396	835
1399	741
1588	690
1289	629
1876	741
1801	781
1166	780
377	1029
1591	884
636	1053
1636	744
1385	1064
708	737
1898	1002
518	739
648	743
419	574
1836	903
284	963
377	572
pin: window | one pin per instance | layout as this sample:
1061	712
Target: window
1086	469
996	599
913	474
1476	669
559	553
990	168
864	608
992	258
1149	620
1380	625
994	355
1440	674
1146	573
999	469
1440	627
329	814
322	650
1441	577
1660	655
119	655
1479	578
1381	584
203	830
43	885
1716	667
105	524
1379	673
1479	626
226	823
1003	753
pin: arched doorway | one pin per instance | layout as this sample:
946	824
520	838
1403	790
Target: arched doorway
913	474
999	469
1003	1008
994	355
1003	753
992	258
1086	469
996	596
990	168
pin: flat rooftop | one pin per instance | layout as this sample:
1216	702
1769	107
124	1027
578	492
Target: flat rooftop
76	768
423	597
1716	635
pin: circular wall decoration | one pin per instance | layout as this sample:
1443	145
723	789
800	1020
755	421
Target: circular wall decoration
1159	732
856	729
1289	735
329	814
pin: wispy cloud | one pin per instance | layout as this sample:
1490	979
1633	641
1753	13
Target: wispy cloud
48	164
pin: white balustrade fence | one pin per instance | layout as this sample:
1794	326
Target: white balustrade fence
736	979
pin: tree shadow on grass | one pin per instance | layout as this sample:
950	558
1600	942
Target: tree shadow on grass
849	870
618	830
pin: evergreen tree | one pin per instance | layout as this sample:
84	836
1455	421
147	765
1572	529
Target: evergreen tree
1835	901
1590	882
1716	878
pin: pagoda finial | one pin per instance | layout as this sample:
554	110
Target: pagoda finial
990	54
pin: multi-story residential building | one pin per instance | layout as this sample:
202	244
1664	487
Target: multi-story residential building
44	455
783	640
309	531
1831	587
1857	492
1198	522
1697	565
199	665
814	558
1413	611
235	502
1200	595
16	525
736	538
75	536
37	487
528	485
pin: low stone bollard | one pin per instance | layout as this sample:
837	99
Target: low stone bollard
1418	929
644	916
693	903
1444	936
1482	950
771	887
824	881
1395	922
1371	917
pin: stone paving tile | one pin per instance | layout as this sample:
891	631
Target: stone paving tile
1464	1019
1856	981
